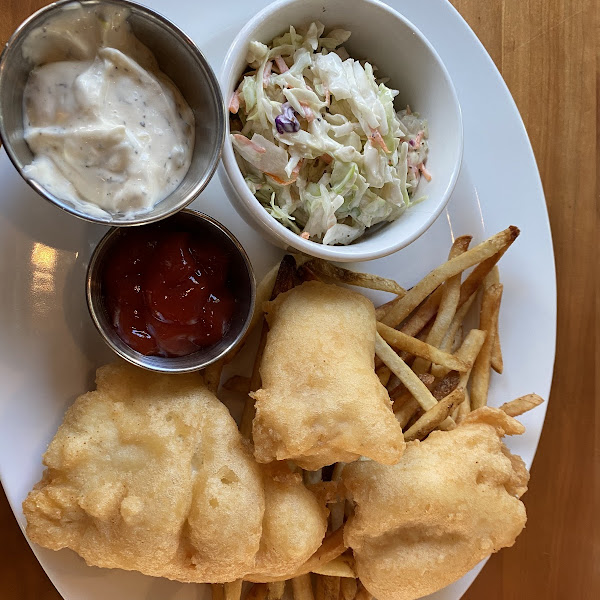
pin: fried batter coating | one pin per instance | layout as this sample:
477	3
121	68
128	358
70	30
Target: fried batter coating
451	501
321	401
294	522
149	473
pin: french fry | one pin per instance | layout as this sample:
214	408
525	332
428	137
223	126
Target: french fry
447	307
521	405
448	424
399	395
218	592
364	280
275	590
249	411
463	409
434	416
412	345
362	593
348	589
458	338
459	317
336	511
264	290
258	591
476	277
302	587
326	492
423	315
237	383
469	351
312	477
453	267
233	590
405	405
307	274
497	361
492	277
446	385
285	279
212	375
327	587
480	374
426	311
393	382
332	546
471	346
411	380
342	566
382	309
384	374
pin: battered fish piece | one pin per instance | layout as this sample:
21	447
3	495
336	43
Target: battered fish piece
451	501
321	401
149	473
293	526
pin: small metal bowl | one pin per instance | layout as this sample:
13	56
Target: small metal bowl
177	56
241	270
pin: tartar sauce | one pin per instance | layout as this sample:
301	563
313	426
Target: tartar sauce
109	131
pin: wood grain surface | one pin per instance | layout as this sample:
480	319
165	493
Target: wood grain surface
547	51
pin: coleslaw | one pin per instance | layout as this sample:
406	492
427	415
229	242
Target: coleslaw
318	140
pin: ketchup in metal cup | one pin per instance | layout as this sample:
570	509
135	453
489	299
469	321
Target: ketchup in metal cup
168	292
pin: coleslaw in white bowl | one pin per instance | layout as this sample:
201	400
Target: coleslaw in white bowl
323	153
318	139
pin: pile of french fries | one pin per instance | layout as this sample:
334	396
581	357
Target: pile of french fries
434	371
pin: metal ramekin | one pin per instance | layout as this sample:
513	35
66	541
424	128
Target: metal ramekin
198	360
177	56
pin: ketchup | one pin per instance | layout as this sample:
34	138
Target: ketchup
168	292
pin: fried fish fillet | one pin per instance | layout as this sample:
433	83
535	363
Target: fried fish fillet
292	516
149	473
321	401
451	501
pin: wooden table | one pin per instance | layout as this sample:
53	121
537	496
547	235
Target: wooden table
546	51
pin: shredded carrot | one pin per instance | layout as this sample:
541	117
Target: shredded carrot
377	139
408	111
234	103
267	73
281	64
305	235
244	141
308	113
281	181
326	158
425	172
327	97
419	138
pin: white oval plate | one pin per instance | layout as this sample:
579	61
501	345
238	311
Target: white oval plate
49	348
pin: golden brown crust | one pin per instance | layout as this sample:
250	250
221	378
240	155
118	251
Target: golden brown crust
149	473
321	401
450	502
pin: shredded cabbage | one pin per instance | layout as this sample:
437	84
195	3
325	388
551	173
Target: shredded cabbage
319	141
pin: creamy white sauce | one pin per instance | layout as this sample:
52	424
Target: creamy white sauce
110	133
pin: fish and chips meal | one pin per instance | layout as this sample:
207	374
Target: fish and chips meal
366	463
